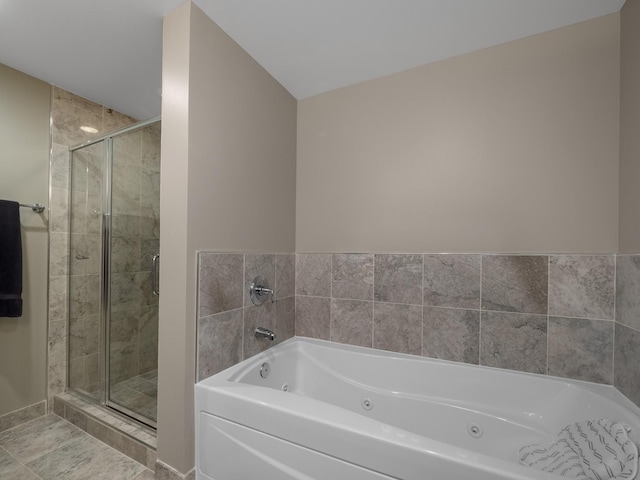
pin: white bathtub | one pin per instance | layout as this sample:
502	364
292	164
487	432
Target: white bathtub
337	412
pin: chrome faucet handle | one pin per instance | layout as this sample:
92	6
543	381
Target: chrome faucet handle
265	291
259	291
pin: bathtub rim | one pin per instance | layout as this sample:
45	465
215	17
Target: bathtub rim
230	374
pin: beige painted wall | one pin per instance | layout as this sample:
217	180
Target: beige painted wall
630	128
24	176
228	184
509	149
175	329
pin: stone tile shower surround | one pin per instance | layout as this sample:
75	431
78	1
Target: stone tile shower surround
68	113
135	240
84	271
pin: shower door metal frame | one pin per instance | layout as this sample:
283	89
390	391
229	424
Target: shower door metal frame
105	273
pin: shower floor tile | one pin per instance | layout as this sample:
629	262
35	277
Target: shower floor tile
139	394
152	375
52	448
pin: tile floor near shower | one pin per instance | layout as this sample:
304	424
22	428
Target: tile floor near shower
51	448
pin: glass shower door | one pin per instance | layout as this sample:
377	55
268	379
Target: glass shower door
113	293
133	300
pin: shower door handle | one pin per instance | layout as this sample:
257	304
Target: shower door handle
154	273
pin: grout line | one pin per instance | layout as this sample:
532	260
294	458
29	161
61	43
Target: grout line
330	296
548	310
243	283
615	305
422	311
275	276
480	316
373	318
628	326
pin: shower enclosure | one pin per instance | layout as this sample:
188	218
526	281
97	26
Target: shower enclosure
114	249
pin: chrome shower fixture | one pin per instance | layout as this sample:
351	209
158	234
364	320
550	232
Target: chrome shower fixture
259	291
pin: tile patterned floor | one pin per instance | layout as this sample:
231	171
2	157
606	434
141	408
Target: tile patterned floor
49	448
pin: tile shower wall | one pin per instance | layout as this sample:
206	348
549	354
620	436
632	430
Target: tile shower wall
627	334
68	113
135	240
549	314
226	316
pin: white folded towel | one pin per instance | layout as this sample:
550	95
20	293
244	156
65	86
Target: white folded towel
592	449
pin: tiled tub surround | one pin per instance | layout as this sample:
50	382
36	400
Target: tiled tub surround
550	314
226	317
627	334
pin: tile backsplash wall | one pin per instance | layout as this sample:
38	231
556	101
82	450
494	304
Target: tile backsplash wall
226	317
550	314
627	334
564	315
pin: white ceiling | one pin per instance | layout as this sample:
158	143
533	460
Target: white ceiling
111	51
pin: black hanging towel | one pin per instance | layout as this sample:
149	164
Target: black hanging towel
10	260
